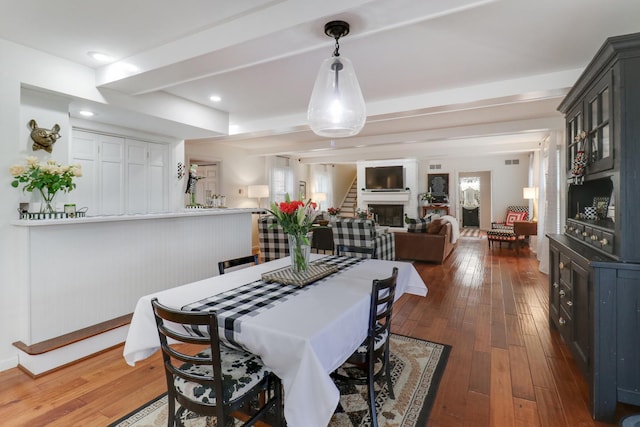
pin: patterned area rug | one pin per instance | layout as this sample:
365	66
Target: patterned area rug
416	369
472	232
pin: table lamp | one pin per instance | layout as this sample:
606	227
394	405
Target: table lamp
258	192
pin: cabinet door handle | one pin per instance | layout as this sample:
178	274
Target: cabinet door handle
594	237
577	231
561	293
604	242
570	303
561	265
562	321
585	234
555	285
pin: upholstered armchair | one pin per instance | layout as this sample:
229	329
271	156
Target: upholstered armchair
363	233
504	231
514	213
273	241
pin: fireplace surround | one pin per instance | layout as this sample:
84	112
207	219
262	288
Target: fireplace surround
388	215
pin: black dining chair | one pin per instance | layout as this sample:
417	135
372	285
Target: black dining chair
210	379
355	251
236	262
360	366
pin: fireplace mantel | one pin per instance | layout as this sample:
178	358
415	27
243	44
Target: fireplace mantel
385	196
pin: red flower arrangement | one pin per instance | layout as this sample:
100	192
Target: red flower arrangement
296	219
333	211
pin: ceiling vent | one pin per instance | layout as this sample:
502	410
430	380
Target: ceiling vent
512	162
435	167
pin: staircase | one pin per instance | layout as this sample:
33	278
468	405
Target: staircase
350	202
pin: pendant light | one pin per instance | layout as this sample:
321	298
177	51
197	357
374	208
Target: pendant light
336	108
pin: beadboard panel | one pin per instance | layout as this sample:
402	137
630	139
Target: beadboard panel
89	272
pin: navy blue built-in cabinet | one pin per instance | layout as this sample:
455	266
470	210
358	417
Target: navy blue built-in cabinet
594	281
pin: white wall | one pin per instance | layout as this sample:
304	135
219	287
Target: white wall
507	181
34	85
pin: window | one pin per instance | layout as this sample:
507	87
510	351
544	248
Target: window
281	180
322	185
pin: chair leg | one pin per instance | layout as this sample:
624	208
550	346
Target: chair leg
171	414
372	394
387	372
279	404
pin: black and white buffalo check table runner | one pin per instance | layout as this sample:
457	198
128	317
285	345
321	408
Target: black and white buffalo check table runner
253	298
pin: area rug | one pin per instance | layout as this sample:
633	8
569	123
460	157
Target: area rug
472	232
416	369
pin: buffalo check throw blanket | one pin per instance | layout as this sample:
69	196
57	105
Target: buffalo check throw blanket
252	299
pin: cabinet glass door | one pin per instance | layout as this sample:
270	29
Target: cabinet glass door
600	147
574	128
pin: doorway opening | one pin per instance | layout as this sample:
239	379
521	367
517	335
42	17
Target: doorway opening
474	195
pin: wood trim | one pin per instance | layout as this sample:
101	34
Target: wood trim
88	356
73	337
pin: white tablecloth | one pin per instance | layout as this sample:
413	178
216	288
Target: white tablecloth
302	340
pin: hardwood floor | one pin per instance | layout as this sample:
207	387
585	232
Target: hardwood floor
506	368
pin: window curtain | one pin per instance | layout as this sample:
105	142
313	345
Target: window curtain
322	183
281	180
549	198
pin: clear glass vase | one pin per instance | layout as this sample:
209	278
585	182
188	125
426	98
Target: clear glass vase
299	250
47	206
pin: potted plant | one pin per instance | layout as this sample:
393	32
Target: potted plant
47	178
427	198
333	211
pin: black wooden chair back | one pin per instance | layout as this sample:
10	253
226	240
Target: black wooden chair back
236	262
194	371
356	251
376	346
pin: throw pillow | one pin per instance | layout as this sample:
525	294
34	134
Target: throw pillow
434	226
416	225
515	216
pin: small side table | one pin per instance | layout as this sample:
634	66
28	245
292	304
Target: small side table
526	229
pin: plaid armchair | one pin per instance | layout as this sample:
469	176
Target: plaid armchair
362	232
274	243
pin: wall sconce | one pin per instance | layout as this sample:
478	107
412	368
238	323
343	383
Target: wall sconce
180	170
336	108
258	192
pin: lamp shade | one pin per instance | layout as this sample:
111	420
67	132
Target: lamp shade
529	193
319	197
336	108
257	191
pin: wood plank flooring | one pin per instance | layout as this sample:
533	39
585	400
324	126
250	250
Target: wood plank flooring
506	368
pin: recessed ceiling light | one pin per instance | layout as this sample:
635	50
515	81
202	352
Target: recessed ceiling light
86	113
102	57
215	98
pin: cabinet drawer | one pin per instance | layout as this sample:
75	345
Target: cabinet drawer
594	238
578	229
586	233
565	268
565	325
607	241
566	300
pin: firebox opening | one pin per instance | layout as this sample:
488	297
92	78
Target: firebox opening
388	215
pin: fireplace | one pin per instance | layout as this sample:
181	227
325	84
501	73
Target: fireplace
388	215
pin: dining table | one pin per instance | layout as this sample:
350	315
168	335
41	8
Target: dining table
301	333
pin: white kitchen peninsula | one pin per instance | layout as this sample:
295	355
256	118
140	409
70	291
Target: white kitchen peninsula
78	272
